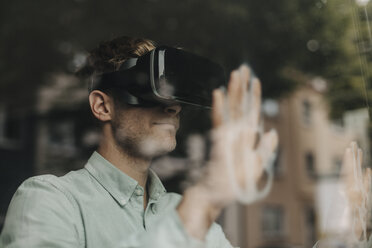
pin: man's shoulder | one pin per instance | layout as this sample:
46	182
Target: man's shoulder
71	179
61	185
40	193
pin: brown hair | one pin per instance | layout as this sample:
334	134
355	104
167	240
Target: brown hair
109	55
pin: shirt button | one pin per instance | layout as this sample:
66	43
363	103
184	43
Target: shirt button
123	201
156	195
138	192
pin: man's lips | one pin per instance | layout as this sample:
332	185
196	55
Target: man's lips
166	124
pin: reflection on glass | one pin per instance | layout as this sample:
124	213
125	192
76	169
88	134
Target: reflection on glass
314	61
345	204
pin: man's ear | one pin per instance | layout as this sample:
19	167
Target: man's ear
102	105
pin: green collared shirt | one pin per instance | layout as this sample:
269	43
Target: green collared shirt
97	207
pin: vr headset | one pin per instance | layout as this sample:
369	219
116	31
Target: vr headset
165	76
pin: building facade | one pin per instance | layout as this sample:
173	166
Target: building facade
311	148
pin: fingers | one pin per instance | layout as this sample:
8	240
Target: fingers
218	111
269	142
237	92
359	161
347	163
369	177
274	140
235	96
367	181
244	102
268	145
245	75
266	148
354	177
255	98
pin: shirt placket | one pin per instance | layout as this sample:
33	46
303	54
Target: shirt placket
151	209
136	203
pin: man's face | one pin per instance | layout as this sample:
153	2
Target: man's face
146	132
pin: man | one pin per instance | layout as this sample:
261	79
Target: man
117	200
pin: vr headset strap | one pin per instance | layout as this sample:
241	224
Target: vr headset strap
129	63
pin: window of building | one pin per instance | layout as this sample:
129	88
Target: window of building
310	164
306	112
273	225
278	165
337	165
310	232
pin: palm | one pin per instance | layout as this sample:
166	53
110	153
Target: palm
237	162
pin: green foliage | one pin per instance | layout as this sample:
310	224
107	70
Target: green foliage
350	73
315	37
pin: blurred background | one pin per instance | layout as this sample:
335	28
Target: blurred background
313	57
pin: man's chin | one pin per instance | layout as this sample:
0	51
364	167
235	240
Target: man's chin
151	148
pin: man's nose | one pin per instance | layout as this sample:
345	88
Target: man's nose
173	109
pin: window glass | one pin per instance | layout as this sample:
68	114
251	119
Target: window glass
313	59
273	225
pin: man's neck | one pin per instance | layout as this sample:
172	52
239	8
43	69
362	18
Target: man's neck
136	168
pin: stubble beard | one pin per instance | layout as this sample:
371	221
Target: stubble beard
138	144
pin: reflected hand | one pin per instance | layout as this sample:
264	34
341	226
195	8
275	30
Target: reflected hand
357	188
237	157
239	154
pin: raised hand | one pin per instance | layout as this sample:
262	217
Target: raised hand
240	151
357	189
239	155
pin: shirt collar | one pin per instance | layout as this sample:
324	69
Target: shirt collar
118	184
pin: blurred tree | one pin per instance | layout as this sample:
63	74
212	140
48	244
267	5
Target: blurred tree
312	36
350	86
